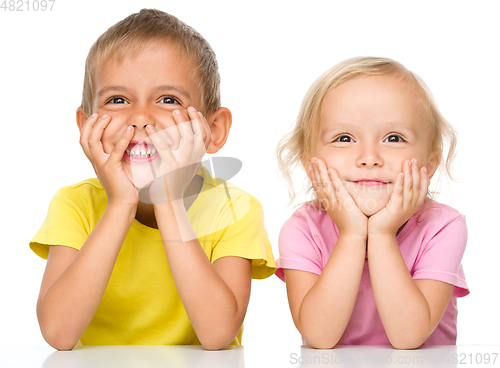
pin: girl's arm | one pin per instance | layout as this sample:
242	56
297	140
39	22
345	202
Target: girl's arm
216	295
410	309
74	281
321	306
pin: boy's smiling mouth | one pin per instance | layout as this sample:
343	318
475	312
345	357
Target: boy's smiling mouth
140	152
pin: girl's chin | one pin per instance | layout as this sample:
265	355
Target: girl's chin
371	206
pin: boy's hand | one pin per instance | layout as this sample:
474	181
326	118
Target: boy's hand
108	167
337	201
410	191
178	167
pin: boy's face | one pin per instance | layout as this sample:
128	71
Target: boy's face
369	126
141	90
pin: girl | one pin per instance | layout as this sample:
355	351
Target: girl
372	259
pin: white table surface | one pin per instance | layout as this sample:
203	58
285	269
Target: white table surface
250	356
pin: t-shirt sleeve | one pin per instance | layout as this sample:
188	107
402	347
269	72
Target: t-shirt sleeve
67	223
441	257
298	250
243	234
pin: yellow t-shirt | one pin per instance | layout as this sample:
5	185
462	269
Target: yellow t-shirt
141	305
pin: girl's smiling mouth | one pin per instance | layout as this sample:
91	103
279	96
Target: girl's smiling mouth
370	182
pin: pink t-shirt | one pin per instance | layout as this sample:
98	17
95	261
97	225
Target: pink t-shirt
432	249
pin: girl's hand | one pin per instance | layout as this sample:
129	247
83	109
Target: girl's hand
337	201
108	167
177	168
410	191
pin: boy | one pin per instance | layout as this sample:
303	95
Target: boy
172	263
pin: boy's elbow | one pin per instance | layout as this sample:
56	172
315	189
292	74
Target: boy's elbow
218	340
60	343
58	339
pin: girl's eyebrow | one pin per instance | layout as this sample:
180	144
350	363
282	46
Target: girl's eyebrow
348	127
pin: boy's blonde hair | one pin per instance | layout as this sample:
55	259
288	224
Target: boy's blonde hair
151	27
300	143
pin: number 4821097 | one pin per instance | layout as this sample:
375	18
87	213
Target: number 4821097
27	5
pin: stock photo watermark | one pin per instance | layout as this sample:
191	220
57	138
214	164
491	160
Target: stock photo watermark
432	356
27	5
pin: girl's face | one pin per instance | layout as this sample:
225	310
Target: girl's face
369	126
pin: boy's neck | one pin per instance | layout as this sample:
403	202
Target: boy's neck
145	212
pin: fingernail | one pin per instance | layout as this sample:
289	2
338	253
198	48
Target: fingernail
199	113
409	163
415	161
177	112
150	127
94	115
191	108
104	116
425	169
402	176
130	127
310	167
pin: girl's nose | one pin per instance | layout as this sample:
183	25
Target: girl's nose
369	158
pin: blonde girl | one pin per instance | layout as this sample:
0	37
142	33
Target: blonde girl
372	259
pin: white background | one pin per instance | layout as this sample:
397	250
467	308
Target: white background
269	53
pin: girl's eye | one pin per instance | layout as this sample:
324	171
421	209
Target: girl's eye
394	139
169	100
343	139
118	100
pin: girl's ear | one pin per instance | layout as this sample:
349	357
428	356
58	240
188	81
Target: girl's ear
220	123
433	164
81	118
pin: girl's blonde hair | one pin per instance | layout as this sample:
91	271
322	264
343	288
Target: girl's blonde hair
298	146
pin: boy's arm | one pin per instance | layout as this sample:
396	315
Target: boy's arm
216	295
74	281
410	309
321	306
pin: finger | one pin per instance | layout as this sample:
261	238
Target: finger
416	181
95	142
398	192
199	145
181	118
122	144
206	128
325	178
85	133
424	185
159	143
317	178
408	183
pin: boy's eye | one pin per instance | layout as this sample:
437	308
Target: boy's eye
169	100
394	139
343	139
118	100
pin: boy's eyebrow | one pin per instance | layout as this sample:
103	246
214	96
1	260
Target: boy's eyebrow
158	89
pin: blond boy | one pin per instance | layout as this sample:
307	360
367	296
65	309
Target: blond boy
169	261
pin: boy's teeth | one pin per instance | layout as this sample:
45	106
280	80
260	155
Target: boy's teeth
141	153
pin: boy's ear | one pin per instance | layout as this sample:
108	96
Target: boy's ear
81	117
219	122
